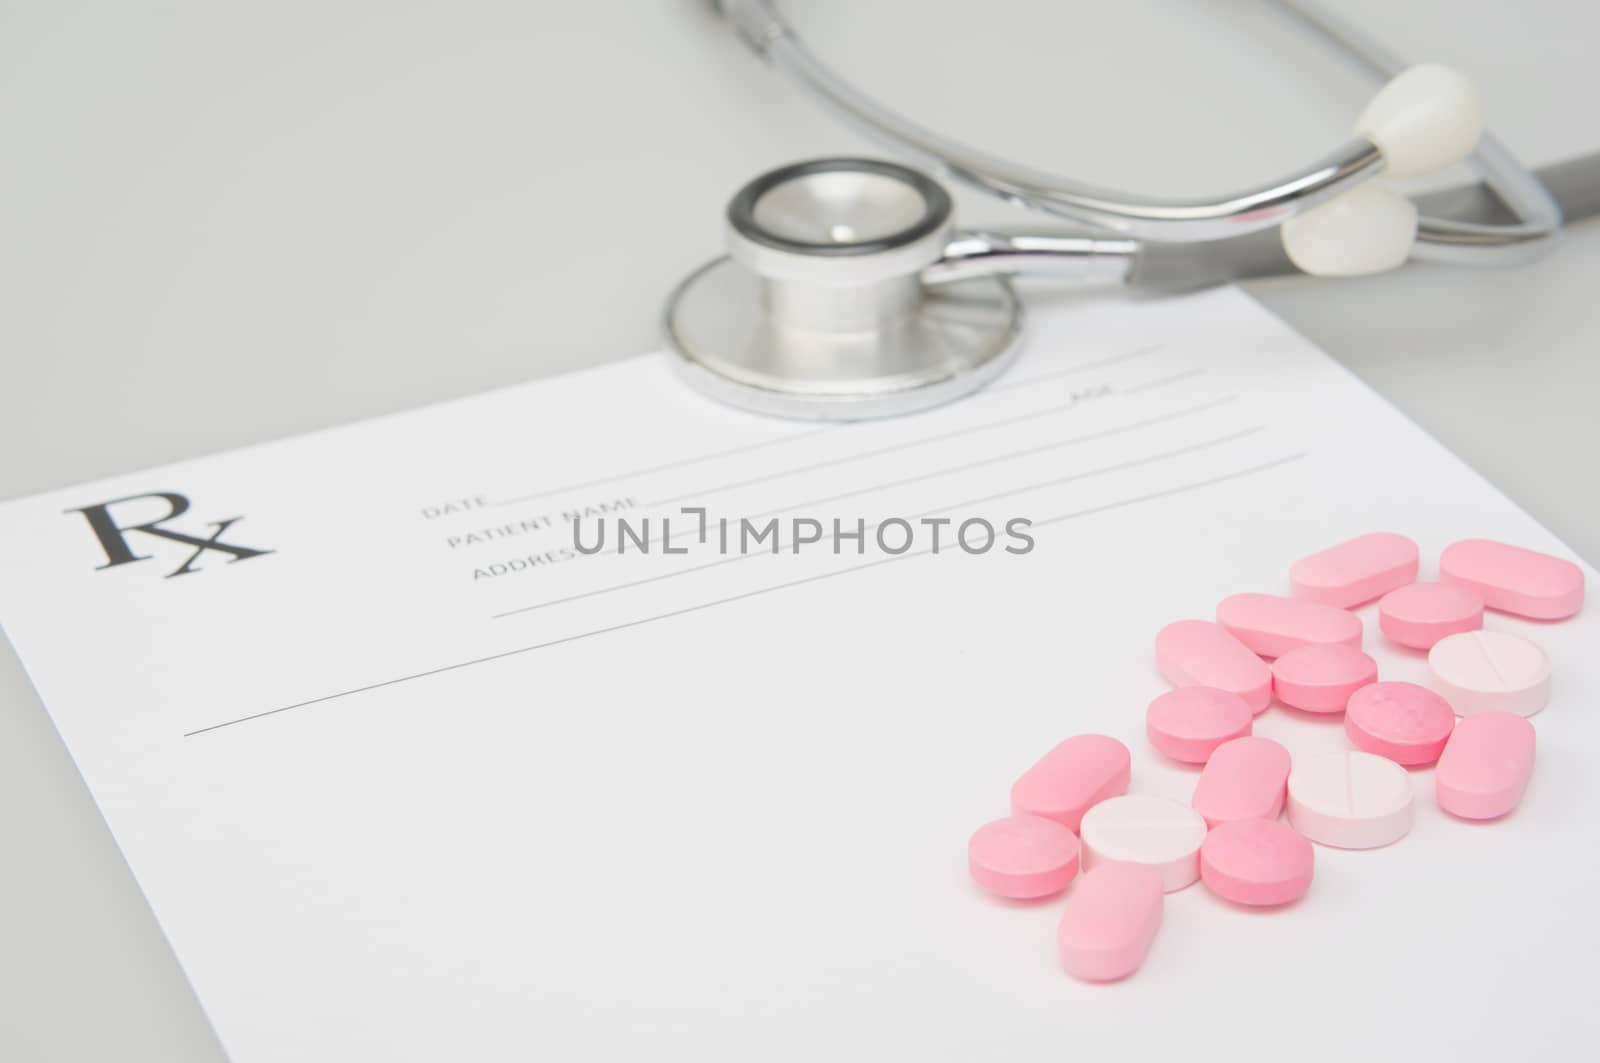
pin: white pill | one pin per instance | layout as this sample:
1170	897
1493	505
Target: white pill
1490	671
1350	800
1138	829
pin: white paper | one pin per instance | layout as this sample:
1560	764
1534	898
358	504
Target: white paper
412	787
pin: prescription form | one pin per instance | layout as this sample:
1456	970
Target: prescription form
407	776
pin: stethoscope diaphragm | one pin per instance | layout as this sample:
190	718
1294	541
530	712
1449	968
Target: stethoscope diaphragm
819	310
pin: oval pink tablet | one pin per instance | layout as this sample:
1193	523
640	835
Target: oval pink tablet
1322	678
1188	723
1420	614
1111	918
1514	580
1402	721
1259	862
1490	671
1071	778
1356	571
1244	779
1023	857
1198	653
1485	766
1272	626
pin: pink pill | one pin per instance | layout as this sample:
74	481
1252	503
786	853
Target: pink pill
1072	778
1188	723
1402	721
1111	918
1244	779
1420	614
1258	862
1023	857
1485	766
1514	580
1197	653
1356	571
1321	678
1272	626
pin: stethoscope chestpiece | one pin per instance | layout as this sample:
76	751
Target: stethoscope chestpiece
819	311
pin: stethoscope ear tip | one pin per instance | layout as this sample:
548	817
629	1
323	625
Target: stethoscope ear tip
1369	229
1425	119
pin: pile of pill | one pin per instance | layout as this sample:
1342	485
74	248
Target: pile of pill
1072	809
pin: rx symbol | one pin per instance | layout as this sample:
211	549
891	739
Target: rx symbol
113	536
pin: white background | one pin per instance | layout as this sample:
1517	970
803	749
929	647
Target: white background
227	222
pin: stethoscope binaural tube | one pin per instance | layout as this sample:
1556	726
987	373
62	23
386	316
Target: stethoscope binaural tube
848	293
1424	120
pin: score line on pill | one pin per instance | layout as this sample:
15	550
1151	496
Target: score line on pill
1350	800
1140	829
1490	671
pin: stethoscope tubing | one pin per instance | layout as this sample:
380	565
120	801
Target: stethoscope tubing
1534	222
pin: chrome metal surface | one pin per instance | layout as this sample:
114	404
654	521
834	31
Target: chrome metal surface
839	207
957	338
760	23
1086	259
846	294
802	307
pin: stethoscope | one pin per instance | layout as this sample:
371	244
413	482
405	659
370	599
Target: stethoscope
847	292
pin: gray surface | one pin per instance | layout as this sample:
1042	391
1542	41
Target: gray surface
228	222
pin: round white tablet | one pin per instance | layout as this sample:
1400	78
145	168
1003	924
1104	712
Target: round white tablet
1349	800
1137	829
1490	671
